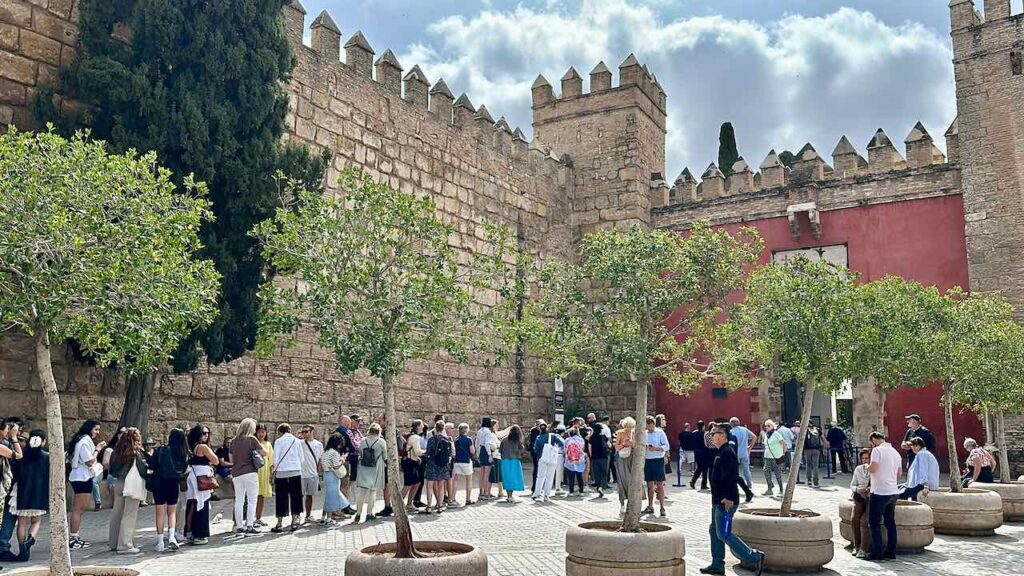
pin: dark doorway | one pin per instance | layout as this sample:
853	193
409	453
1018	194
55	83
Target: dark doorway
790	401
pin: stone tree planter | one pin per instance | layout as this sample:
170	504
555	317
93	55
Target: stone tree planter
440	559
1012	495
973	512
914	529
801	542
80	571
599	549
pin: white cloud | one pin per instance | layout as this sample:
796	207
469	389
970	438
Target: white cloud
781	83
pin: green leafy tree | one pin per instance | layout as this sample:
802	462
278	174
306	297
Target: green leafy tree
918	335
651	296
98	248
202	84
728	154
799	322
377	279
787	158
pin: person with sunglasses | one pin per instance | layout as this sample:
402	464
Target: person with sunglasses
725	497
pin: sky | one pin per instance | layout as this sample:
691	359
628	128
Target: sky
784	72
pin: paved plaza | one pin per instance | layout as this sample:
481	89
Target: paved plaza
521	539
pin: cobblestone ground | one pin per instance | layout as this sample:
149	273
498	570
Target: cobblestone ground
521	539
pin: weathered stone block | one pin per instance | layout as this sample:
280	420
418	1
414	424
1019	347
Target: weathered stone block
17	68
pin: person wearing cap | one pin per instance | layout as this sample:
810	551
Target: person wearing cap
916	430
535	432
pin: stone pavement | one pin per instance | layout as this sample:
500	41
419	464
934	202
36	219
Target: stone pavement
521	539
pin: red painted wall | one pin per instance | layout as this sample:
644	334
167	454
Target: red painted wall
917	239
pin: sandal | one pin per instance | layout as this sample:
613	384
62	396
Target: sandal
294	528
277	529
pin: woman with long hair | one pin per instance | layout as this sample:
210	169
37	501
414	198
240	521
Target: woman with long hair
202	461
334	470
244	474
511	466
170	463
266	487
128	454
32	497
84	453
624	459
439	453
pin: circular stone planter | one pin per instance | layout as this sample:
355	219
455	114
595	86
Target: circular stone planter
800	543
914	529
973	512
80	571
1012	495
599	549
377	560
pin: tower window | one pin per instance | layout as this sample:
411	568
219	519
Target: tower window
1016	64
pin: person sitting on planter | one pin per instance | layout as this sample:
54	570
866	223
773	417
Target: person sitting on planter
724	501
885	469
924	471
860	485
980	464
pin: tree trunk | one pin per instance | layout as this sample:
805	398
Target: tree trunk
794	470
1004	456
403	533
60	553
954	465
635	498
138	393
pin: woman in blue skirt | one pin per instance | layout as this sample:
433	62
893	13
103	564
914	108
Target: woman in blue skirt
511	467
334	463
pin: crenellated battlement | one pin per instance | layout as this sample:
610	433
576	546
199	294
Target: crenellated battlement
808	167
384	75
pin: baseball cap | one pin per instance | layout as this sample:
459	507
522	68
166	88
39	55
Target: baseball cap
148	441
356	417
912	417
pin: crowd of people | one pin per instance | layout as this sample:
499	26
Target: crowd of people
180	475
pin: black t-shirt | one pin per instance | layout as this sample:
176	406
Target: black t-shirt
598	443
836	437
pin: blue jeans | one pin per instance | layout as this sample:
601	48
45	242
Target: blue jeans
745	471
7	526
718	541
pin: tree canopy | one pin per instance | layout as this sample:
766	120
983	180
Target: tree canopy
99	248
635	308
375	275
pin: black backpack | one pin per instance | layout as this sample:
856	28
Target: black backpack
813	441
368	455
442	451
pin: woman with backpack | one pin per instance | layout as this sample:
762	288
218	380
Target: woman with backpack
32	496
575	459
511	466
170	464
287	472
127	456
370	478
439	453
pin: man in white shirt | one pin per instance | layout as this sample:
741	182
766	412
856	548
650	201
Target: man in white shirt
885	469
310	455
789	439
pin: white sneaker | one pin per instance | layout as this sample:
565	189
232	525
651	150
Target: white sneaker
173	544
160	546
127	551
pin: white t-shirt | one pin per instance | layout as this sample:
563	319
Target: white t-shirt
311	451
85	450
884	478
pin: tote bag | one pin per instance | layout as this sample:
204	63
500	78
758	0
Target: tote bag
134	485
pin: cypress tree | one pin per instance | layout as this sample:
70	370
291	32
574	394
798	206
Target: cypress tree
202	84
727	152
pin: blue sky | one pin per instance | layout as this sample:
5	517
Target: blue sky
784	72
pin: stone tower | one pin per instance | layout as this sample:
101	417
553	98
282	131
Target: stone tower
614	136
987	58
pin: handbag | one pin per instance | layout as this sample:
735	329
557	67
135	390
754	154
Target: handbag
258	461
134	485
204	483
549	455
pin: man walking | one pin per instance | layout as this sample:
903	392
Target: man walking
702	456
745	440
835	440
686	449
724	501
884	469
